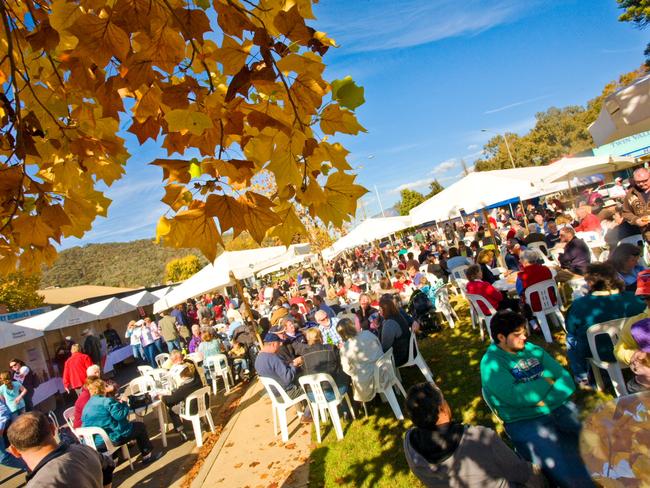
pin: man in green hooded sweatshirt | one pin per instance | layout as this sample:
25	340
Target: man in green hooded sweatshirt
530	392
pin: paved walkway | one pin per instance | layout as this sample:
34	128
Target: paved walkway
249	455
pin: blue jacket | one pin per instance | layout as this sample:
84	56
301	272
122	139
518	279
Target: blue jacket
108	414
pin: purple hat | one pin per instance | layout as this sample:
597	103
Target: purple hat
641	333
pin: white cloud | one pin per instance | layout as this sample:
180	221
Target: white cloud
445	166
472	147
393	25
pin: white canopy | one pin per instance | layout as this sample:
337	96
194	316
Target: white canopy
111	307
217	275
141	299
161	292
286	264
59	318
568	168
292	252
12	334
367	231
479	190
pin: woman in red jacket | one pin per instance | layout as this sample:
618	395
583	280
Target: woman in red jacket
476	286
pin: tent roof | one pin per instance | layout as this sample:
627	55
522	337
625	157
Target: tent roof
73	294
141	299
286	264
12	334
111	307
161	292
58	319
217	274
367	231
569	168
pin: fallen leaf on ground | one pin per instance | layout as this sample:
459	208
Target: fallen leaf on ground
253	464
239	465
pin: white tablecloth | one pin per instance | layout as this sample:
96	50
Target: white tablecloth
47	389
117	356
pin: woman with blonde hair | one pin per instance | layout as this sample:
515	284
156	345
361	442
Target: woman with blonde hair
484	259
13	393
111	415
324	358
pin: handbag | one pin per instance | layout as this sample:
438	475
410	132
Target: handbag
138	401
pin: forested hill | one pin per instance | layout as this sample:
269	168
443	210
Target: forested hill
128	264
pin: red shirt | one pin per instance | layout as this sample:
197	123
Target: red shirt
590	223
79	407
74	370
487	291
531	275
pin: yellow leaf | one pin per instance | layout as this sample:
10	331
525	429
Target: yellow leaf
285	168
289	226
31	230
227	210
184	121
308	93
334	119
176	196
257	215
174	169
308	63
334	153
232	55
149	103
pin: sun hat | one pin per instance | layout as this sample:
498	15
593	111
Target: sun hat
271	337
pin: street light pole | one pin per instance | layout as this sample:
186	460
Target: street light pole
505	139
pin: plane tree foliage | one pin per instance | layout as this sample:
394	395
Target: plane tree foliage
233	90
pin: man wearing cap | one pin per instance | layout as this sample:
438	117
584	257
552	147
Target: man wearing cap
269	365
618	190
290	349
627	349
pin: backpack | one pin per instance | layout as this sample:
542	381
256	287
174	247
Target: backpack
419	304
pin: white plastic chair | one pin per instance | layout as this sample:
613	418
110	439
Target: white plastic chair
68	416
443	305
385	379
416	359
612	328
542	290
280	403
459	272
195	357
161	359
141	384
87	435
320	405
540	246
144	370
202	410
218	366
478	317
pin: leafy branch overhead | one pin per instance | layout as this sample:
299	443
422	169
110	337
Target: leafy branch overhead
238	82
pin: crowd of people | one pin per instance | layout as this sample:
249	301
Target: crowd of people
343	316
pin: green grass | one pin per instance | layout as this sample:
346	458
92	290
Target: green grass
371	453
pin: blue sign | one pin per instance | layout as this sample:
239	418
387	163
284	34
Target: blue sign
633	146
23	314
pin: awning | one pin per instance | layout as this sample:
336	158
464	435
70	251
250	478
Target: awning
111	307
12	334
141	299
58	319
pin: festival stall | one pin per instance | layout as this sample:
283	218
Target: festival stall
141	299
23	343
58	324
113	311
161	292
218	275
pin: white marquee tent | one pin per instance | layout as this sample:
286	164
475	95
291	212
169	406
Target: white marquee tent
111	307
367	231
566	169
161	292
217	274
13	334
141	299
59	318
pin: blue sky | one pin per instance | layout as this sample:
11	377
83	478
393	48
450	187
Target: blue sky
435	74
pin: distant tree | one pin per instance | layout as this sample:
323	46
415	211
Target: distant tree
18	292
637	12
408	200
434	188
182	268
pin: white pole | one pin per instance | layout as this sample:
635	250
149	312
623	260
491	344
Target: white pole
381	207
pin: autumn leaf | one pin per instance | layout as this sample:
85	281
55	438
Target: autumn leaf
347	93
333	119
184	121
